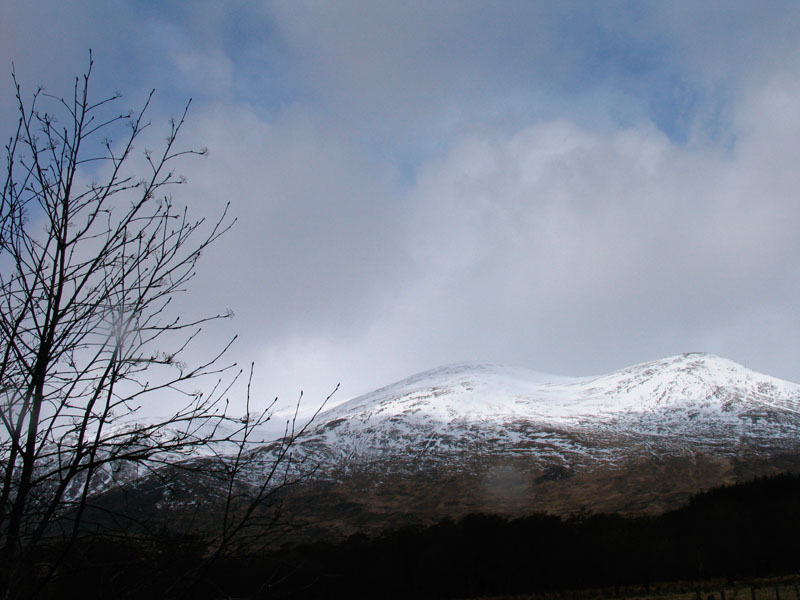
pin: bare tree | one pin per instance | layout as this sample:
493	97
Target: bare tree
92	254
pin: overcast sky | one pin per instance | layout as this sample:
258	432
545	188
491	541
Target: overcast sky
572	187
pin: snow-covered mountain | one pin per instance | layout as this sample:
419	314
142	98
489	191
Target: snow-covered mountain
680	404
486	438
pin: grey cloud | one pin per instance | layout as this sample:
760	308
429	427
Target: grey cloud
413	74
317	225
419	184
577	252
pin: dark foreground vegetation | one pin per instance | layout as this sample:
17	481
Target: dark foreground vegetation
731	533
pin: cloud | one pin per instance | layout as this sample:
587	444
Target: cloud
555	243
577	252
415	76
570	187
316	238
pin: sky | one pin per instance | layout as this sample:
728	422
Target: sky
572	187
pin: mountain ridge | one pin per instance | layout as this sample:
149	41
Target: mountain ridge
696	397
470	438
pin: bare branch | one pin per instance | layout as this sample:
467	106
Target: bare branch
89	333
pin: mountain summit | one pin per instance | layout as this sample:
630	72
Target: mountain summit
471	438
478	437
684	402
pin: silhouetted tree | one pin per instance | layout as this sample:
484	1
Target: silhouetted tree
93	251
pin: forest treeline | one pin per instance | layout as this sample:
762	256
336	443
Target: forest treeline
734	532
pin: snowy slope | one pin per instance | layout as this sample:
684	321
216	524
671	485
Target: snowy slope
687	402
486	438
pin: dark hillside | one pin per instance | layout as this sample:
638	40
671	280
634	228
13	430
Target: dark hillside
734	532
